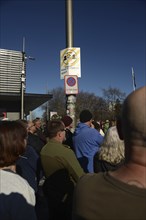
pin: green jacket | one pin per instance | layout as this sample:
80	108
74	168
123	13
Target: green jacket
102	197
55	156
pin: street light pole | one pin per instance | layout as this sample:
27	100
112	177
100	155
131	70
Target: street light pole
69	24
71	99
23	79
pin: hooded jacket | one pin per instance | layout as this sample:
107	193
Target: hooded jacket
86	142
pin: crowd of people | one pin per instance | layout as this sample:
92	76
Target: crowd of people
95	172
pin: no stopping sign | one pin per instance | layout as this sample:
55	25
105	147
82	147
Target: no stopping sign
71	84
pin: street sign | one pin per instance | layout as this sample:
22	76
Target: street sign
70	62
71	84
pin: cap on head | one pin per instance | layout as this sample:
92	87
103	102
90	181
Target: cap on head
67	120
85	116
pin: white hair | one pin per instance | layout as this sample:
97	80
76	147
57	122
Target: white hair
112	150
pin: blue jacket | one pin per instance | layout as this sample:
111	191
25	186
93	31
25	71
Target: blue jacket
29	167
86	142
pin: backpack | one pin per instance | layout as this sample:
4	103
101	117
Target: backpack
58	189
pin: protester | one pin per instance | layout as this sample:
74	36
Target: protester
119	194
29	165
112	152
106	126
67	120
97	126
55	155
39	131
34	140
86	141
62	171
17	198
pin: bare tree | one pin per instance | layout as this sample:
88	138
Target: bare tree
89	101
84	100
57	103
101	108
113	97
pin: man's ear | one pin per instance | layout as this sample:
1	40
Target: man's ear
119	128
59	133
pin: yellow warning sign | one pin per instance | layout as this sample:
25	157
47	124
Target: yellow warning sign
70	62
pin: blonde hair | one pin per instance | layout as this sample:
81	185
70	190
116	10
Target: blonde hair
112	149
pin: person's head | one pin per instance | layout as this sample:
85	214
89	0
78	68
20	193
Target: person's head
13	135
67	120
106	125
112	123
134	126
31	127
37	122
23	122
56	130
55	117
134	118
96	125
112	149
86	117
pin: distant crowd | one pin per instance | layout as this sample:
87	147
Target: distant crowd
98	171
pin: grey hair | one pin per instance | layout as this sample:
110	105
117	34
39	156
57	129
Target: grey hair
112	150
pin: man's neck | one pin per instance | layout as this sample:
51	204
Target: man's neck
88	123
131	174
57	139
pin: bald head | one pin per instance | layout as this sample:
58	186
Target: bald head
134	118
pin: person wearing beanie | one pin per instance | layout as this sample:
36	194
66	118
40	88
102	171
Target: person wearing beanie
86	141
85	116
67	120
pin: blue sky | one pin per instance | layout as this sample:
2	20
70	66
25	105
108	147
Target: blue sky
110	34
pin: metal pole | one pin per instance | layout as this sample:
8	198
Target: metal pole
23	81
71	99
133	79
69	24
23	78
47	112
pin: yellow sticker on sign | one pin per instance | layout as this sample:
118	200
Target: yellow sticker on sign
70	62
